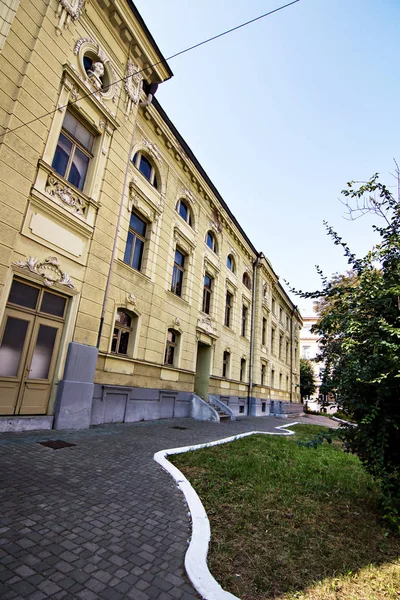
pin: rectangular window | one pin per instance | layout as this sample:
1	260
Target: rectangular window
177	274
170	348
272	340
272	378
306	352
225	364
207	291
74	151
263	370
228	309
242	369
244	320
264	331
287	383
263	407
287	352
280	345
280	381
273	305
135	242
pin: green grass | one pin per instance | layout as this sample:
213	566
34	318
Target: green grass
292	522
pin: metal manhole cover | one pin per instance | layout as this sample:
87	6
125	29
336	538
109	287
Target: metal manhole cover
56	444
177	427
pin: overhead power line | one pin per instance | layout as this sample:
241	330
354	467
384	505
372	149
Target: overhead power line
210	39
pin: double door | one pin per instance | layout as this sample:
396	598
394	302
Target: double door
29	342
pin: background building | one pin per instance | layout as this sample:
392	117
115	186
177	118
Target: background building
126	284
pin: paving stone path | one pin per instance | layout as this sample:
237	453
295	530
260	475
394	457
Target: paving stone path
100	519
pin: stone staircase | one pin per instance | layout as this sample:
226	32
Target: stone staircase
224	412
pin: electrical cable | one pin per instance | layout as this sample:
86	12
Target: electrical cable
7	131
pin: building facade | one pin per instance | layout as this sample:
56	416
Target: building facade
126	284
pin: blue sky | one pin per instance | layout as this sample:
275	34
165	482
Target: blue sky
284	112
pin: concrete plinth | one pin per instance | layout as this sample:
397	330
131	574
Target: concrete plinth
73	406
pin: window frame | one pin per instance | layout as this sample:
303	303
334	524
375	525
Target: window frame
231	258
76	144
246	280
122	328
226	359
228	309
244	323
213	245
207	294
174	345
154	176
189	219
264	323
242	372
263	373
177	268
136	235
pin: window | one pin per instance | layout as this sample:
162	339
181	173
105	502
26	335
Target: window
287	352
280	345
263	407
273	305
263	373
228	309
242	369
226	364
210	241
306	352
280	381
287	383
146	168
184	211
272	378
122	331
264	331
230	263
246	280
244	320
272	341
281	314
177	274
171	347
295	355
74	151
135	242
207	291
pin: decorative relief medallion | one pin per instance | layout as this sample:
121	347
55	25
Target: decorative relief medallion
132	85
67	11
48	269
177	321
66	195
101	76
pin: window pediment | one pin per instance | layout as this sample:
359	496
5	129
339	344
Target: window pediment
147	205
183	240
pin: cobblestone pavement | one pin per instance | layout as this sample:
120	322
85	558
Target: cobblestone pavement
100	519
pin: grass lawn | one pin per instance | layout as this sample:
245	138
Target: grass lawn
290	522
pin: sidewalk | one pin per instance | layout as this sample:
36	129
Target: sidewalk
100	519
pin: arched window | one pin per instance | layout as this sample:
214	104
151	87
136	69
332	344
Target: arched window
171	349
146	168
184	211
230	263
211	242
123	330
246	280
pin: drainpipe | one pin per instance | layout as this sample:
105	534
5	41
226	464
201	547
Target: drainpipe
150	93
256	262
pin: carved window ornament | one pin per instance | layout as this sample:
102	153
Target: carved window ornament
67	11
152	149
96	69
48	269
58	190
132	85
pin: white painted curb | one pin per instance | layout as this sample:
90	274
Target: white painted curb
196	554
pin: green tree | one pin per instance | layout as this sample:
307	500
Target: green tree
307	380
359	329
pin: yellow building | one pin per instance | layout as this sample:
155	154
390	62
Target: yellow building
128	290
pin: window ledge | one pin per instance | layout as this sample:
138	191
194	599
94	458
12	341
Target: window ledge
132	270
179	298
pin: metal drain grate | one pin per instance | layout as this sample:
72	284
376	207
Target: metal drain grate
177	427
56	444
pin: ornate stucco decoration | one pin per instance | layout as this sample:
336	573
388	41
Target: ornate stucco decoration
48	269
152	149
132	85
67	11
177	321
130	298
205	323
101	71
186	193
216	222
66	195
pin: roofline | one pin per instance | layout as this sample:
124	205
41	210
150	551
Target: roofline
150	37
202	172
